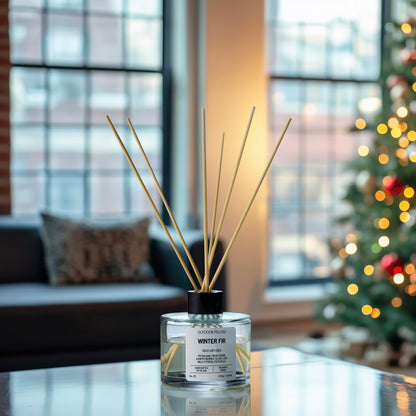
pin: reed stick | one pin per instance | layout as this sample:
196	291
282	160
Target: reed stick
214	214
175	224
205	285
240	360
237	230
171	357
243	353
230	189
175	248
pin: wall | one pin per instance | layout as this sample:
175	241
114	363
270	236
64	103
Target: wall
235	80
4	110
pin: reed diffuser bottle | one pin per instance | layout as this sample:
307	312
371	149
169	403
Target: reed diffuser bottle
205	347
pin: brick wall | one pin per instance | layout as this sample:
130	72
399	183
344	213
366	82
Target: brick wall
5	201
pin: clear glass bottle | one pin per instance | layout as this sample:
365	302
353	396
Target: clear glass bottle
205	347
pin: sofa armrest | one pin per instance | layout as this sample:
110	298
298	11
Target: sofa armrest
167	266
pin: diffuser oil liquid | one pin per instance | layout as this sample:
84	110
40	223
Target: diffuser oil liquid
205	351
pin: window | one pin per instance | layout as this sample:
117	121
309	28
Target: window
323	59
73	62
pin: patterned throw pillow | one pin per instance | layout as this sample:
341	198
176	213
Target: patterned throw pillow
82	251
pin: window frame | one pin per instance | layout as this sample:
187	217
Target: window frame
385	16
164	70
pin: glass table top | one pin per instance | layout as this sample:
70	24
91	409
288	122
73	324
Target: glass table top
283	382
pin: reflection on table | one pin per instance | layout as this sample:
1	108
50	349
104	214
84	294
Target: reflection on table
284	382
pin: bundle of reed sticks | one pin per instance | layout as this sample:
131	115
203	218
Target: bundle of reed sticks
204	283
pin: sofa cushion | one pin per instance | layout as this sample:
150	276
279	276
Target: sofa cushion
85	251
38	317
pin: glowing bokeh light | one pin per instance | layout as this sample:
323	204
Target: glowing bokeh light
342	253
363	151
383	223
383	241
412	157
383	159
402	112
409	192
401	153
406	28
396	302
411	135
396	132
409	268
382	128
375	248
352	289
404	205
369	270
380	196
404	217
351	238
366	310
375	313
393	122
403	142
398	278
360	123
351	248
411	290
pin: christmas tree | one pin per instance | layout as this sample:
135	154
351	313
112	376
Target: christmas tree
375	265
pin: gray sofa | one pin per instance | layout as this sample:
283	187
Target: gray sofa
45	326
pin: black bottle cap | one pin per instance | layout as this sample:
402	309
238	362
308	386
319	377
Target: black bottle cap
205	303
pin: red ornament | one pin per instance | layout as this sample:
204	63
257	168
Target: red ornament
393	186
391	263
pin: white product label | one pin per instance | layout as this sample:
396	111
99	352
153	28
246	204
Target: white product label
210	354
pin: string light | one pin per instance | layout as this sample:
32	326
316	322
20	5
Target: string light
351	248
411	135
375	248
368	270
406	28
404	205
402	112
403	126
363	151
398	278
404	217
352	289
401	153
383	223
383	159
366	310
396	132
342	253
393	122
382	128
351	238
375	313
383	241
409	268
396	302
360	123
411	290
408	192
403	142
380	196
